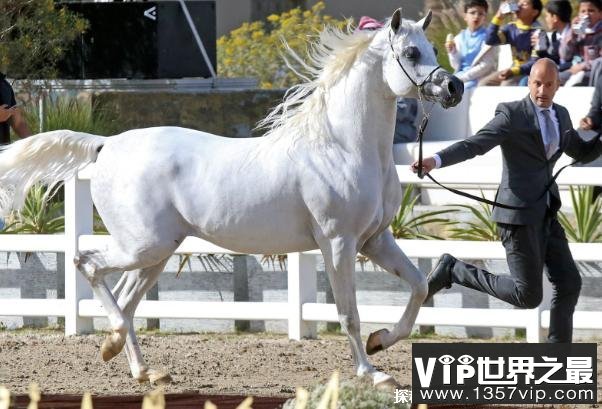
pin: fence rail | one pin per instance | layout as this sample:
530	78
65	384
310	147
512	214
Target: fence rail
301	311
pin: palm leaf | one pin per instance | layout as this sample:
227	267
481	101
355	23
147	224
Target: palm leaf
406	225
586	227
481	228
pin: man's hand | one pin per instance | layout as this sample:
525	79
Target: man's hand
505	74
586	124
428	164
5	113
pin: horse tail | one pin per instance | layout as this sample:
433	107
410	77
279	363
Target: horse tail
46	158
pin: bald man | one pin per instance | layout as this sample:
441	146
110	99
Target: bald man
532	133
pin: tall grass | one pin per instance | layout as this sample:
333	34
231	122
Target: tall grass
70	113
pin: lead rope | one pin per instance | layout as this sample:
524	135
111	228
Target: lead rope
494	203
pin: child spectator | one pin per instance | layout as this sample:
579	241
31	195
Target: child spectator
468	44
585	42
557	16
517	33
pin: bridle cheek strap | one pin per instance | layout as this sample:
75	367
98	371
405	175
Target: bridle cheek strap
424	122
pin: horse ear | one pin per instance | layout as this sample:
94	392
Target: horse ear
424	23
396	20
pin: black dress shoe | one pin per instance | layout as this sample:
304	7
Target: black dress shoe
440	276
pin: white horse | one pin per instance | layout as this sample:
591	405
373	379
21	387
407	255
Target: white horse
322	177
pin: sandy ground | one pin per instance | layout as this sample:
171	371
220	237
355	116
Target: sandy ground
255	364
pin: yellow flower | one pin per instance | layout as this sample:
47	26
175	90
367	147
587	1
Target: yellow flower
251	51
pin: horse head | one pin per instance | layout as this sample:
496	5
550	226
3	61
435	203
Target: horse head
410	64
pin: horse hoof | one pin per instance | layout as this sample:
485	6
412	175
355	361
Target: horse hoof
385	382
158	377
112	346
374	343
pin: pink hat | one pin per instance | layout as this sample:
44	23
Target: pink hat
368	23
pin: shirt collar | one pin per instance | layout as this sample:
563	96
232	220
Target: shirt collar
521	26
538	109
476	32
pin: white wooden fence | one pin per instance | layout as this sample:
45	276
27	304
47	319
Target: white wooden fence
301	311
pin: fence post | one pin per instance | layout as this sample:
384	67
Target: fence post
302	288
78	221
535	330
425	265
240	276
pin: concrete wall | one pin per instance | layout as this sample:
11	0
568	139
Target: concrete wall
232	114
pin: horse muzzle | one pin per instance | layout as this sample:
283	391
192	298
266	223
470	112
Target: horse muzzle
444	88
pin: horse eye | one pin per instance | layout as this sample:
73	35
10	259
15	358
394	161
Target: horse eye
411	53
435	51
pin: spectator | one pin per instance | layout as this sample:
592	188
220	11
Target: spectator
593	120
466	54
517	33
557	16
10	116
405	122
584	43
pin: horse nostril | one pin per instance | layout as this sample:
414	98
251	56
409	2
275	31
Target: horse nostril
451	88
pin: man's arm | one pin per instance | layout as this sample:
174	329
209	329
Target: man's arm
18	124
490	136
595	111
493	34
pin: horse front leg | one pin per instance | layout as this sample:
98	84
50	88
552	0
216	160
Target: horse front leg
383	251
339	260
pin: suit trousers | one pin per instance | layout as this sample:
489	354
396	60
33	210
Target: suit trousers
528	249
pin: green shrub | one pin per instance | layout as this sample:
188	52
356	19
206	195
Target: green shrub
39	214
480	228
405	225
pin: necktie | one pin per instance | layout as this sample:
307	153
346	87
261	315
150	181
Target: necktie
550	139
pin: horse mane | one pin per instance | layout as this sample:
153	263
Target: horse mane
301	114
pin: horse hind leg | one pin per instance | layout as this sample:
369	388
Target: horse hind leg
383	251
135	285
94	265
114	342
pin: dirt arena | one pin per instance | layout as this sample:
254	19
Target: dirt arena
255	364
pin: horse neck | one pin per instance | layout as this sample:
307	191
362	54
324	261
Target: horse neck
361	113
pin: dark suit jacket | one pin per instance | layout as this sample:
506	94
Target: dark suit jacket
526	170
595	111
